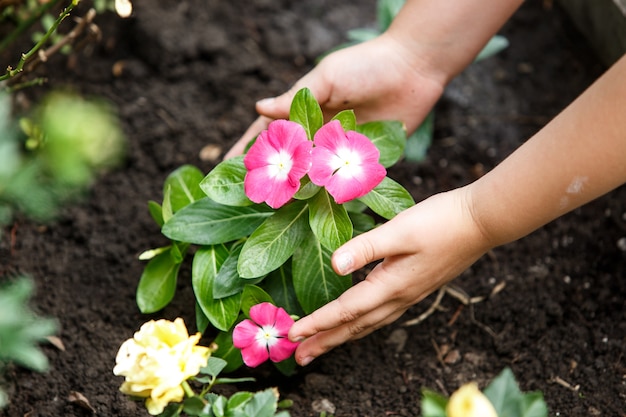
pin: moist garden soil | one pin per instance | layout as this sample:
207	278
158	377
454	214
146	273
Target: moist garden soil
186	74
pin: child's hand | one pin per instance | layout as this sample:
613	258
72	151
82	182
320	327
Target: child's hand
375	79
423	248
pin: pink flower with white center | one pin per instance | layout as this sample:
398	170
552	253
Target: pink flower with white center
265	335
276	162
346	163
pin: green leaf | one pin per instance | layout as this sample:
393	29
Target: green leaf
224	184
156	212
166	208
226	351
214	366
359	35
495	45
329	221
433	404
386	12
274	241
157	284
347	119
509	401
389	137
222	312
205	222
306	111
418	143
307	189
228	282
263	404
172	410
361	222
202	321
279	285
239	399
193	406
184	184
388	198
314	280
253	295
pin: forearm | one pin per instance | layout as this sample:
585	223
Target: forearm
578	156
442	37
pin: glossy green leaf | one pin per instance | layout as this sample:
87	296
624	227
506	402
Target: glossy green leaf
222	312
347	119
361	223
389	137
224	184
418	143
263	404
228	282
205	222
226	351
388	198
307	189
202	321
306	111
157	284
274	241
156	212
314	280
184	183
329	221
167	212
253	295
279	285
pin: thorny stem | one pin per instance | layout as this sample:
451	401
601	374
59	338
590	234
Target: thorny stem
20	65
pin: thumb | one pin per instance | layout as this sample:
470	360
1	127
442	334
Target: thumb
368	247
276	107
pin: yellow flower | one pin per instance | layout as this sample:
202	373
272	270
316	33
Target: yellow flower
468	401
157	360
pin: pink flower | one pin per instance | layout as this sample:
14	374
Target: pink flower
276	162
265	336
346	163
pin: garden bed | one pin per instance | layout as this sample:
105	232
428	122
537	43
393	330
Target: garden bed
186	74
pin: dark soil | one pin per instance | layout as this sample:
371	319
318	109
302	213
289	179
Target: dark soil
190	74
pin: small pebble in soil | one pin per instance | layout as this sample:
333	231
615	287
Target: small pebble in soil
621	244
323	405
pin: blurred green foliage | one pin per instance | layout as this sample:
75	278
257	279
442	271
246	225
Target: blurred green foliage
51	156
21	329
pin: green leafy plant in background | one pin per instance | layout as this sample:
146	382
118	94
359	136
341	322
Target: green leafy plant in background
246	253
52	155
417	143
501	398
21	330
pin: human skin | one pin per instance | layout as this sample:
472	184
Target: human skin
578	156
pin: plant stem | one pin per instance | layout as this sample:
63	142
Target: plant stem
188	391
26	24
20	65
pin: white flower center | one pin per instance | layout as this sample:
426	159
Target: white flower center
267	335
346	163
279	165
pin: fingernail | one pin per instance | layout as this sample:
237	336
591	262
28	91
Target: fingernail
307	360
344	263
297	339
265	101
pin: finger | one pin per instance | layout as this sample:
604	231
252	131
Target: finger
324	342
386	240
253	130
366	296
